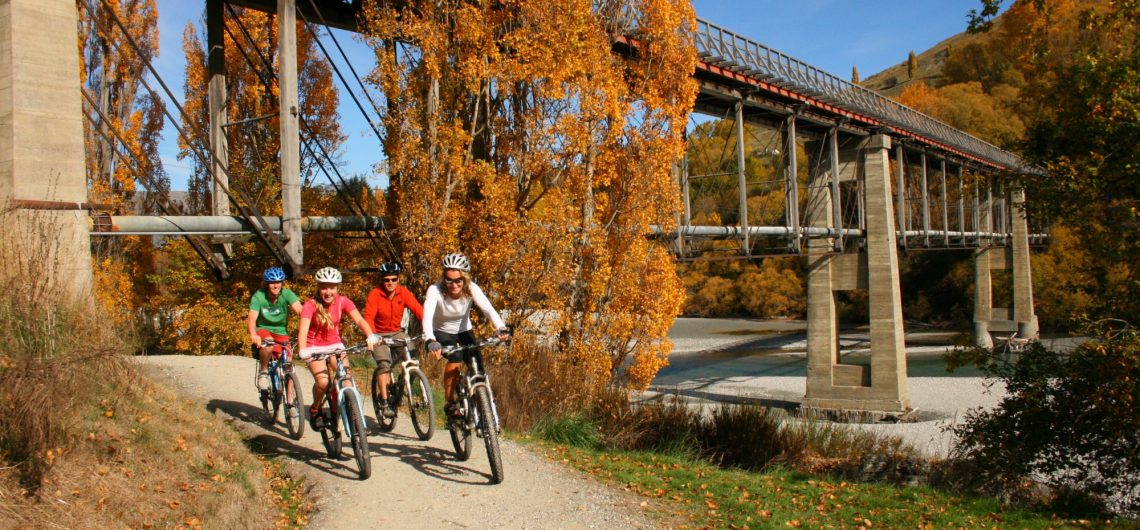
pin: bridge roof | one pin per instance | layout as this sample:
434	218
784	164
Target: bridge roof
729	58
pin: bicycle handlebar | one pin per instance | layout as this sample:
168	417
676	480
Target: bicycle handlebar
406	341
357	348
492	341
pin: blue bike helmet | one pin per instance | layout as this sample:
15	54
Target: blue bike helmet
274	274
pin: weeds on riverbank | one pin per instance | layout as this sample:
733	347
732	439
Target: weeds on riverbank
84	439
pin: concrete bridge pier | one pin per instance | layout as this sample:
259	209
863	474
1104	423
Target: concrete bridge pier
1021	318
41	143
832	384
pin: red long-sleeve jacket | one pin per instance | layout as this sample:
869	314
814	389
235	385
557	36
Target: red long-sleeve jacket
384	313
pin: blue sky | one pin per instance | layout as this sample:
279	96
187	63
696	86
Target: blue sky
833	35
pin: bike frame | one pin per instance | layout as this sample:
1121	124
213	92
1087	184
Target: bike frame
407	363
345	387
285	361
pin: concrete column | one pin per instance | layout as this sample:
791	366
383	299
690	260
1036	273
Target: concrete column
983	287
290	130
983	298
1023	313
888	350
882	386
41	141
822	322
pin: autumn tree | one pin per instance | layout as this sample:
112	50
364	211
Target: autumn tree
116	40
546	165
203	316
911	65
855	75
251	88
111	72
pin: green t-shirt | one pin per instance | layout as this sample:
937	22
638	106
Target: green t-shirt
273	317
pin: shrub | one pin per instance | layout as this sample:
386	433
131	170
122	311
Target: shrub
1070	422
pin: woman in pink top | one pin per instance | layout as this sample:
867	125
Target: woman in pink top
320	330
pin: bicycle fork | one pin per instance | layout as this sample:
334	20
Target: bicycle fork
491	396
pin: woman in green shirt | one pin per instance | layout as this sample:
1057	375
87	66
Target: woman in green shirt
268	313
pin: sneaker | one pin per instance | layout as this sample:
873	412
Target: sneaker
293	412
452	410
263	381
387	411
316	419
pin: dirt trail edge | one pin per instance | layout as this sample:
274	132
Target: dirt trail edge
413	484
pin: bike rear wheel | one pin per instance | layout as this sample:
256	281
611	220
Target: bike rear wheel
421	406
359	437
294	406
330	435
460	434
386	424
489	431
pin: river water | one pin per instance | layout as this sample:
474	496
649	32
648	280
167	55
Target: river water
717	348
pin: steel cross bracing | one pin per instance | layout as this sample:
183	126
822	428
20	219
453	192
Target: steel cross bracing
728	54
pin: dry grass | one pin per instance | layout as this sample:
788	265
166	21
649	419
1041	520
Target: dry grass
84	440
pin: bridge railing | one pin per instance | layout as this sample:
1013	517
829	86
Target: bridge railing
740	54
732	51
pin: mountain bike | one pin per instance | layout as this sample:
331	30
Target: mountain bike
346	407
284	387
477	412
407	380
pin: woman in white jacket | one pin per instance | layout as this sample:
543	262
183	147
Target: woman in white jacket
447	318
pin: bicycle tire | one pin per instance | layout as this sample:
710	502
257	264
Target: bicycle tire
460	434
490	433
330	435
421	405
386	424
359	437
294	402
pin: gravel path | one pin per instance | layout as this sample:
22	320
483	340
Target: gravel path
414	484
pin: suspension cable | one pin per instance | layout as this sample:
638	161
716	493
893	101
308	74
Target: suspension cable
163	203
348	200
248	210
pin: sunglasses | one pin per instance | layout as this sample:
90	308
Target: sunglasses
390	280
453	280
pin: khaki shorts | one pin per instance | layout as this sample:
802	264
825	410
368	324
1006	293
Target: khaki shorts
382	353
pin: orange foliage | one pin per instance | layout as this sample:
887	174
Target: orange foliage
544	164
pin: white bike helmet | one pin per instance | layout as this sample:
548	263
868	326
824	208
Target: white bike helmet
456	261
328	275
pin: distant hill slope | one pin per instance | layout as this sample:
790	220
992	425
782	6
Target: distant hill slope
893	80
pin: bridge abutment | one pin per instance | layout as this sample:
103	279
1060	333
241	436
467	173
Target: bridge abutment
832	384
41	142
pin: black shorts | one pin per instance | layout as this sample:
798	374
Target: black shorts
465	338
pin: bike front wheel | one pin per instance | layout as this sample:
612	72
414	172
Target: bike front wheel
358	438
294	406
386	424
489	431
421	406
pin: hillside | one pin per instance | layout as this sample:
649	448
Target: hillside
893	80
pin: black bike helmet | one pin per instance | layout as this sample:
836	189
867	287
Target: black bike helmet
391	267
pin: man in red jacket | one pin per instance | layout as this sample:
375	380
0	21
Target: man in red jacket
384	312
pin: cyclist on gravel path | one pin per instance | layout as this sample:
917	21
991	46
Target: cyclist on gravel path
320	331
384	312
268	314
447	318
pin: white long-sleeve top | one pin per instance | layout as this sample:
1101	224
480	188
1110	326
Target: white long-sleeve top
453	315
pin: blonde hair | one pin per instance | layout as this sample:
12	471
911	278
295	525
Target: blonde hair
466	282
323	318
